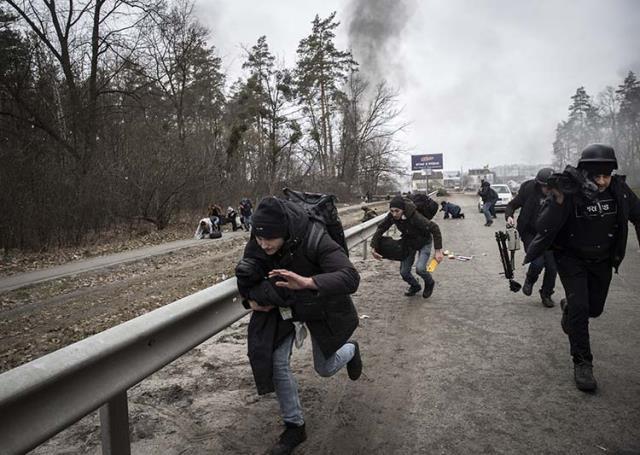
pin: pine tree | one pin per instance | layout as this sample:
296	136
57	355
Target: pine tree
271	91
629	123
321	71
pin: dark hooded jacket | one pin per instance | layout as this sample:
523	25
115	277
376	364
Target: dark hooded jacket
488	194
557	224
328	312
529	199
416	230
451	209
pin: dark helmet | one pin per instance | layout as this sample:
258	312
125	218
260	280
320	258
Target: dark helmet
598	153
543	175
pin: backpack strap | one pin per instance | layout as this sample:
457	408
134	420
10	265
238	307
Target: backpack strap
313	240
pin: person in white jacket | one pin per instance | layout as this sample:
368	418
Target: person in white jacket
205	228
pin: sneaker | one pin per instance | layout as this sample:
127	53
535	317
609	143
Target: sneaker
428	289
488	223
583	374
354	366
565	313
290	438
547	301
527	288
413	290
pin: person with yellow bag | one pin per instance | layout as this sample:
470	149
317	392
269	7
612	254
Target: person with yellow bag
419	235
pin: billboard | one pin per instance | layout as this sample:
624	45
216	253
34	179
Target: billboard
429	161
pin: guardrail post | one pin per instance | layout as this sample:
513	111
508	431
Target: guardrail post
364	249
114	423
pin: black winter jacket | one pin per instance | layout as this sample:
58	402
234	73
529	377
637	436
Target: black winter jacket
328	312
416	230
529	199
488	194
553	228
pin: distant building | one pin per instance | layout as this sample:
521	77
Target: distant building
517	172
452	179
475	176
419	181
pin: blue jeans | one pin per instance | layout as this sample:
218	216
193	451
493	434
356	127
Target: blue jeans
246	221
285	383
488	208
421	267
547	262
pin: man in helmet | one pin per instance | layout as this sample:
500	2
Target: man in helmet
588	234
529	200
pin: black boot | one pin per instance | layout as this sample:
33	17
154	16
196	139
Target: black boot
583	374
413	290
428	289
547	301
354	366
289	439
527	287
564	306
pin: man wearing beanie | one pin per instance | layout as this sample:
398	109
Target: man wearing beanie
418	235
587	232
294	276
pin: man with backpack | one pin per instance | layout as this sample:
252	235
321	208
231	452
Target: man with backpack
294	276
418	236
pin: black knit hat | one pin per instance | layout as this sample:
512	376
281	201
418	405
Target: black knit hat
397	202
270	220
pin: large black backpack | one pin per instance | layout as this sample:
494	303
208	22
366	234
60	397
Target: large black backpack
425	205
322	208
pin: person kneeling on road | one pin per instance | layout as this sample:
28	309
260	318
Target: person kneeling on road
418	234
586	225
205	228
291	277
451	210
530	198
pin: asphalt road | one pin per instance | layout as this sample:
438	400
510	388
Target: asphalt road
475	369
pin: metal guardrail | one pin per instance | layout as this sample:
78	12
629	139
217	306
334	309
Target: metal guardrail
47	395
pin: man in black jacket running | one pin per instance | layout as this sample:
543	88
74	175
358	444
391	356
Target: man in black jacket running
294	276
529	199
587	230
489	199
418	235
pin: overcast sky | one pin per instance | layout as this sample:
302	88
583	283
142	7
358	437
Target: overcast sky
483	82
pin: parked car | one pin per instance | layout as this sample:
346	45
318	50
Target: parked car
504	195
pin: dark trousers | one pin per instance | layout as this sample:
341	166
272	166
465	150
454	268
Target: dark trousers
586	285
546	262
